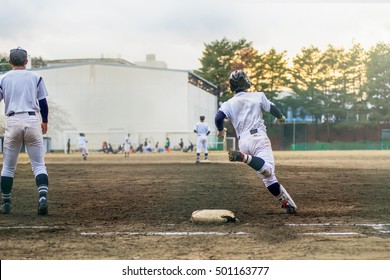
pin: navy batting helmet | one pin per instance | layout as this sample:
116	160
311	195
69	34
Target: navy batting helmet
239	81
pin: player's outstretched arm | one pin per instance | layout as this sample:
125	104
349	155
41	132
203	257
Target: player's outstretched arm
219	117
280	118
219	124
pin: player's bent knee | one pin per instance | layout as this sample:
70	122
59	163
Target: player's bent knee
266	171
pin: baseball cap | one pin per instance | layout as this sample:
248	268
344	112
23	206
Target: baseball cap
18	56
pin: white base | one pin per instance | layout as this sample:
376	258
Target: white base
213	216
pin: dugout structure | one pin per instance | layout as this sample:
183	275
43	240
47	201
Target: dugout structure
385	139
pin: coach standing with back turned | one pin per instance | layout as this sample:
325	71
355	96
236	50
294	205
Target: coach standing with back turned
24	95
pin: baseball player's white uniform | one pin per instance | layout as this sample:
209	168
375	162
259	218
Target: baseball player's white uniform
127	145
202	131
83	145
24	94
245	111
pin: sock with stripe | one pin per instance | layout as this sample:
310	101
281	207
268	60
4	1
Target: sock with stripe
6	188
42	181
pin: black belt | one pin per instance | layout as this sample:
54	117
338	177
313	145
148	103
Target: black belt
30	113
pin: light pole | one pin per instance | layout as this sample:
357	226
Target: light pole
293	146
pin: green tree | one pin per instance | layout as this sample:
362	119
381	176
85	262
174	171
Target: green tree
378	82
355	78
272	77
308	82
217	61
333	86
38	62
4	65
273	73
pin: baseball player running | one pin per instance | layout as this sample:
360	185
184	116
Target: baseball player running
24	95
202	131
83	145
244	110
127	144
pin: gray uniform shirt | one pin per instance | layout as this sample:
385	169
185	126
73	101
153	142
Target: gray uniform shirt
21	90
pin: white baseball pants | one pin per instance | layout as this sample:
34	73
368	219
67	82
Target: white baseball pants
23	128
260	146
201	144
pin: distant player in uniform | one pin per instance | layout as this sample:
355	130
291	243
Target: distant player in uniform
127	145
24	95
202	131
83	145
245	112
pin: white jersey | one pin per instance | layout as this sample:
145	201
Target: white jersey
245	111
201	128
21	90
83	142
127	144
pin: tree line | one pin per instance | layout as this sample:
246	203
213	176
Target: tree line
335	85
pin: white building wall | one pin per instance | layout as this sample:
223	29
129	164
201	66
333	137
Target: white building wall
201	103
101	97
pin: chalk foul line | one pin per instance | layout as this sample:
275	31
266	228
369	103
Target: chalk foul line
381	228
160	233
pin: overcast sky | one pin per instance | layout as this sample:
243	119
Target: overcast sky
176	30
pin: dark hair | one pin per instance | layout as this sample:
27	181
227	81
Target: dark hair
18	56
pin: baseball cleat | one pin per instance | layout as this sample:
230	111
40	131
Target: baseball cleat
235	155
287	202
43	206
6	208
290	209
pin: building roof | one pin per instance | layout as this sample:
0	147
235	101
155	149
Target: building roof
193	78
59	62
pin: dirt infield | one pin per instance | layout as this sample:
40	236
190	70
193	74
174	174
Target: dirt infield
111	207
